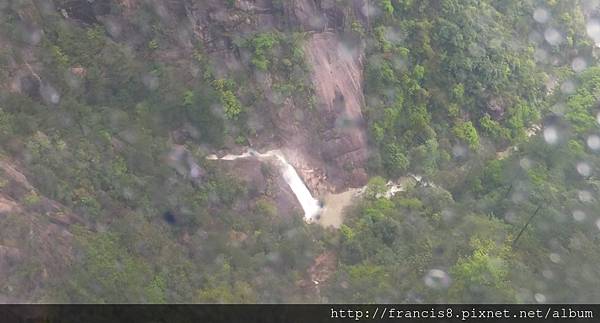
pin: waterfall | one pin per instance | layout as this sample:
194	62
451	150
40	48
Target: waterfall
335	203
310	205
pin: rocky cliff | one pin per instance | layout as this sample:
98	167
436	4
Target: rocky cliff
326	144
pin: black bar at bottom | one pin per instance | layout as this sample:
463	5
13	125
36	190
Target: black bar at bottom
300	313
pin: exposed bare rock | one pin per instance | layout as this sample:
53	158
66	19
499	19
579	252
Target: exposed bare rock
13	173
308	15
128	4
323	267
320	271
329	147
321	15
496	108
337	79
7	205
9	257
36	237
78	71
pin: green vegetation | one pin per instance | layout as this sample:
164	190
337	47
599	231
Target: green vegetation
231	104
282	57
466	132
454	92
261	46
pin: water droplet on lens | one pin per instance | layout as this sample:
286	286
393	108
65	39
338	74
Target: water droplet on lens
579	64
593	141
459	151
568	87
585	196
541	15
49	94
540	55
548	274
550	135
437	279
540	298
584	169
578	215
525	163
150	81
553	36
593	30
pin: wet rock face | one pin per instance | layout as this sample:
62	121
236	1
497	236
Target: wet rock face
328	147
337	79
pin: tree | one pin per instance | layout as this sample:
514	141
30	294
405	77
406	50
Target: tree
394	160
376	187
467	133
231	105
483	276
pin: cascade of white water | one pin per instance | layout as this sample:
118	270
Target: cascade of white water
309	204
